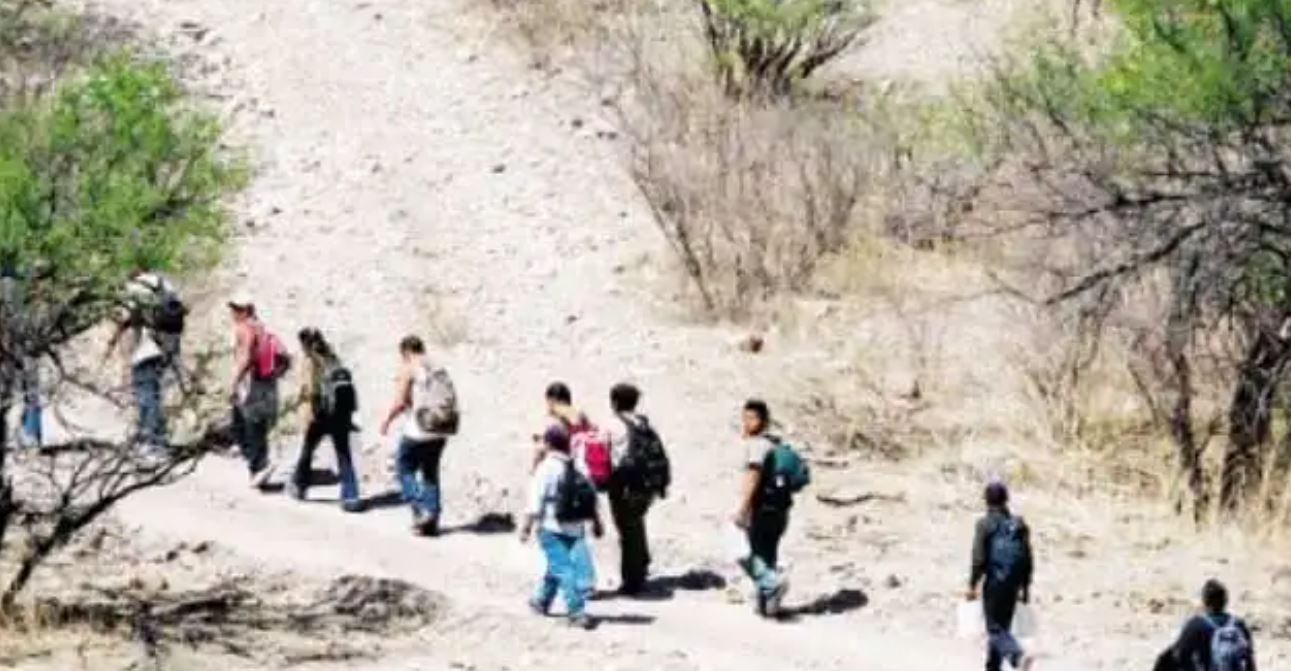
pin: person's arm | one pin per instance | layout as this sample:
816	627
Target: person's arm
1250	642
1028	563
978	568
242	359
1185	647
748	493
533	505
402	399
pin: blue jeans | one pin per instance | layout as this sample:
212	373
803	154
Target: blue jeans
417	463
561	574
584	566
146	379
31	410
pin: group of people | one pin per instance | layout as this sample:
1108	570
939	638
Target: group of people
576	463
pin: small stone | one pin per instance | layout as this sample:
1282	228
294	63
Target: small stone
499	168
892	582
752	344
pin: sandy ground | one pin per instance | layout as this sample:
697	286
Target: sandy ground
413	175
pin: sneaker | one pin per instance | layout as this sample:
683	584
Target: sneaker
425	525
296	491
261	477
582	621
775	600
352	506
537	608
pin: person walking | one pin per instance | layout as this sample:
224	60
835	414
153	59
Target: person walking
14	336
641	474
330	403
1215	640
1001	572
561	502
426	397
152	322
582	432
259	361
773	473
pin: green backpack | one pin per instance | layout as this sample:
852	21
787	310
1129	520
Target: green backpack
785	473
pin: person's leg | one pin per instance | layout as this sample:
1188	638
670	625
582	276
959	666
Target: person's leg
569	576
430	492
345	464
301	476
999	602
584	565
146	379
31	411
407	464
557	560
629	518
764	545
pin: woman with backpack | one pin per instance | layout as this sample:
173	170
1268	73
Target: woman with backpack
330	404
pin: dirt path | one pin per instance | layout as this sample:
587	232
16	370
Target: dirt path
414	177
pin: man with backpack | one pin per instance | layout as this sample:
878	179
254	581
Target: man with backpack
330	404
561	503
152	316
1001	573
641	472
426	395
259	361
773	473
1212	641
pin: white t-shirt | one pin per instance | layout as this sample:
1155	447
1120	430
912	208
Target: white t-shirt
755	451
543	490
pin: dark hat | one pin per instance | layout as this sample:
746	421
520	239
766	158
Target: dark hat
997	494
557	438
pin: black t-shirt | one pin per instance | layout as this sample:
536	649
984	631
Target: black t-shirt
1192	650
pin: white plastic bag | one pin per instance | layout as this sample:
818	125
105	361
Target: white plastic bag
970	621
1025	624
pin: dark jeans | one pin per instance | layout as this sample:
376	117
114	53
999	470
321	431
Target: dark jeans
29	381
418	466
339	431
145	377
629	512
252	421
765	531
999	603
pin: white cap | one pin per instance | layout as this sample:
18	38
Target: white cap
242	301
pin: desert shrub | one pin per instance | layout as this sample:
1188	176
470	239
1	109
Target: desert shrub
766	47
1162	166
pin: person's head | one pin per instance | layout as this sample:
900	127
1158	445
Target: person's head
757	417
242	307
558	395
411	347
1214	596
996	495
624	398
314	344
556	438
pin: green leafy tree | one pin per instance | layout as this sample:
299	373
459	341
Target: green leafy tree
1168	157
103	172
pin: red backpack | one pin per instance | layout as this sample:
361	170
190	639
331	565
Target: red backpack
270	358
594	444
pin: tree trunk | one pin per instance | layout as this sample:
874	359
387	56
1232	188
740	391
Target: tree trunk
1250	416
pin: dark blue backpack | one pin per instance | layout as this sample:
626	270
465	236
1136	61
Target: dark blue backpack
1007	551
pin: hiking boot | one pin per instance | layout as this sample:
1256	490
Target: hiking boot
582	621
428	526
774	603
537	608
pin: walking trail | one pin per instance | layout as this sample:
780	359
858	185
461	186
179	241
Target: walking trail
412	176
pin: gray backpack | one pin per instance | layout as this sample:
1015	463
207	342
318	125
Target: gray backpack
1229	648
435	402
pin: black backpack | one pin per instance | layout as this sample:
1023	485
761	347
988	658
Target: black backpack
1007	551
166	313
575	497
337	397
644	466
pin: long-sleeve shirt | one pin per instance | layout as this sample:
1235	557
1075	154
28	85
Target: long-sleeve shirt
1192	650
986	528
